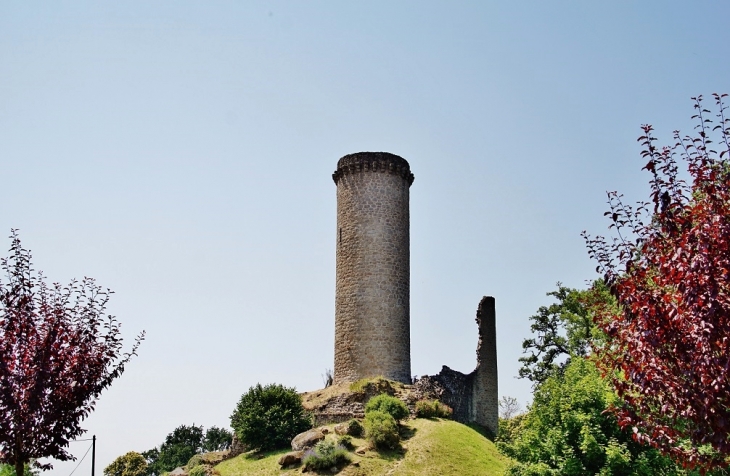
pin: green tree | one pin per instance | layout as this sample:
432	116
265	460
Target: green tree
217	439
268	417
562	329
150	457
568	432
129	464
179	446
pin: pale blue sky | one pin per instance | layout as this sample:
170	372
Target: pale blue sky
181	153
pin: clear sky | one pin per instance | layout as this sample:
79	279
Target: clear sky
181	153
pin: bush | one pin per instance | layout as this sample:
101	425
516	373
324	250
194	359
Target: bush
567	430
345	441
199	470
267	418
509	429
387	404
196	460
325	455
432	409
129	464
381	429
354	428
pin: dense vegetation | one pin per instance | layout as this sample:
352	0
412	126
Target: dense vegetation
180	447
669	270
268	417
638	363
567	430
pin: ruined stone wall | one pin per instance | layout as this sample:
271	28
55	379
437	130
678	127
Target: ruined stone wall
372	299
474	397
486	394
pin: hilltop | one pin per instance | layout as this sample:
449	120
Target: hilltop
430	447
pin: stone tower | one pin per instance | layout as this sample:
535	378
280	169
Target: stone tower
372	299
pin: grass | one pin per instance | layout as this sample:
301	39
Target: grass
429	447
450	448
259	465
311	400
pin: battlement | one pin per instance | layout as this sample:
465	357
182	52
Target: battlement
373	162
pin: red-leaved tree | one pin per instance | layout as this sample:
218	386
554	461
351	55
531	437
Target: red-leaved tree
668	348
58	351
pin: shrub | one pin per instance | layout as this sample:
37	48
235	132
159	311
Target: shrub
345	441
432	409
325	455
354	428
509	429
381	429
199	470
129	464
387	404
267	418
196	460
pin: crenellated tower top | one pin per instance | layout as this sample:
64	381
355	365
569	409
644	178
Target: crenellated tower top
373	162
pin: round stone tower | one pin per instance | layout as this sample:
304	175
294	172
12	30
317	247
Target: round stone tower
372	300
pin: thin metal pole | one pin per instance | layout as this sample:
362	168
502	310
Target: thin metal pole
93	454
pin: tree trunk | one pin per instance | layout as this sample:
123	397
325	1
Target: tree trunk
19	468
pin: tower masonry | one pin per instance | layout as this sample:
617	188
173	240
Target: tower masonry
372	298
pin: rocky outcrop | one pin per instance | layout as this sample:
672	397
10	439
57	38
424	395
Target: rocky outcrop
306	440
351	404
291	458
351	428
237	447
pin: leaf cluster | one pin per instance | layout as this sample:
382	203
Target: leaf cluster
561	330
668	267
568	432
58	351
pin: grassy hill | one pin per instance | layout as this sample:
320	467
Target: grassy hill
430	447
